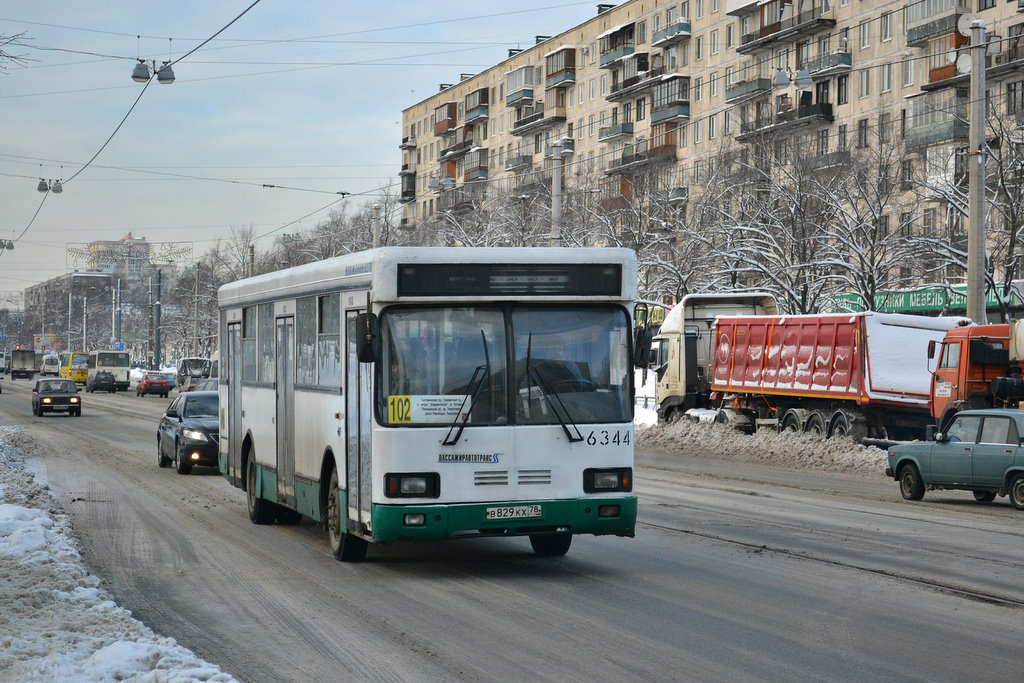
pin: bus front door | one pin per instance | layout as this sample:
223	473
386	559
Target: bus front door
358	380
232	469
285	414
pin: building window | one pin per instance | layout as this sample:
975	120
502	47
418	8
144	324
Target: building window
885	127
698	49
712	126
885	26
698	88
864	83
865	33
862	133
713	85
907	175
885	77
883	226
986	4
730	75
841	138
729	125
604	84
908	71
698	135
842	90
641	32
714	42
822	142
699	5
641	108
1015	97
590	126
730	36
714	6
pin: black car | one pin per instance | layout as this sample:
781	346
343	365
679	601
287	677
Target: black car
101	381
56	396
189	433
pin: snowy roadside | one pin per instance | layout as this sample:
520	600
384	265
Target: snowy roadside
56	623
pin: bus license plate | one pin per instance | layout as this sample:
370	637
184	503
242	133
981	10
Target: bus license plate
514	512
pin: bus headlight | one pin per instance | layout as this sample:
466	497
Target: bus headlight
607	480
194	435
412	485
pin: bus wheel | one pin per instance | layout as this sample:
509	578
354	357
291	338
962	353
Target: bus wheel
551	545
260	510
344	546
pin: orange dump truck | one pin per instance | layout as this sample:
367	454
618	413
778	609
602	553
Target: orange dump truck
863	375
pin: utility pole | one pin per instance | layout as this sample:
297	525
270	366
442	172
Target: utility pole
195	313
976	176
85	323
375	223
156	324
556	196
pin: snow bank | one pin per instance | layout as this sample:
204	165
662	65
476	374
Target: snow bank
57	623
723	442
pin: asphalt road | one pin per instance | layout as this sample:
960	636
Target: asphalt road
736	573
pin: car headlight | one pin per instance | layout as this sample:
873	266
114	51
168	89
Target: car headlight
47	400
74	399
194	435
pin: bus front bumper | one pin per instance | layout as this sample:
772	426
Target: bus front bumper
597	516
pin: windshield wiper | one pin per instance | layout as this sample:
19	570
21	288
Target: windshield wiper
475	385
551	398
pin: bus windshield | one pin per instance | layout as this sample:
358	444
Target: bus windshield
570	362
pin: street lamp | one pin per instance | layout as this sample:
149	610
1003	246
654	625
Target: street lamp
144	70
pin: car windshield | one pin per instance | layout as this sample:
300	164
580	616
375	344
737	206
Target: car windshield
201	406
57	385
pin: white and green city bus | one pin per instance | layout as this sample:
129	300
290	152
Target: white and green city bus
428	393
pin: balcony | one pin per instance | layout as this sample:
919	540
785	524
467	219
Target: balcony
935	133
407	196
614	132
839	61
519	163
635	84
787	118
562	78
444	117
929	18
675	195
616	43
407	169
825	160
524	93
457	199
639	155
477	173
408	188
676	32
747	87
787	29
408	143
670	111
456	150
477	114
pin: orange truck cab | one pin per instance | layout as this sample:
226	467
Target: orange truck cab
976	366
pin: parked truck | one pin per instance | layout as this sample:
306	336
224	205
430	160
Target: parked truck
862	375
23	363
682	347
976	366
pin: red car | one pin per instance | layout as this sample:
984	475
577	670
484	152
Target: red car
152	383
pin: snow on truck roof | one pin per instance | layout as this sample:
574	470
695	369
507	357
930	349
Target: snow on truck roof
359	269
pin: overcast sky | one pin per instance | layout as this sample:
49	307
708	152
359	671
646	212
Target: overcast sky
306	95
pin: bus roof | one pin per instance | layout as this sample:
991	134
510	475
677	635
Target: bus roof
377	268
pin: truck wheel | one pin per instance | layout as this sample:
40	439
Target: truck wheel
344	546
1017	491
790	422
550	545
911	486
984	496
815	425
842	426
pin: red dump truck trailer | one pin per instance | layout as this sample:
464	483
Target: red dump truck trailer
863	375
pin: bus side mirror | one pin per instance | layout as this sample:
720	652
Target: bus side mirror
642	346
367	337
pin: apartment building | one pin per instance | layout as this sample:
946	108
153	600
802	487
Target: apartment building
674	86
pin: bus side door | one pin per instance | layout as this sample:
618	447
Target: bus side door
358	420
284	386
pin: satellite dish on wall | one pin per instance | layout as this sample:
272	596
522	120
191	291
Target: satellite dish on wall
963	24
963	63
